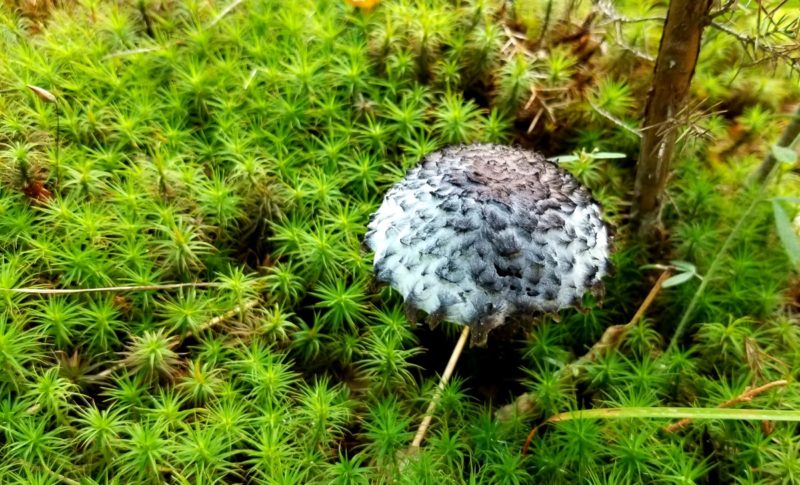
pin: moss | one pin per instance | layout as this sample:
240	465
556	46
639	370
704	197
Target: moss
247	150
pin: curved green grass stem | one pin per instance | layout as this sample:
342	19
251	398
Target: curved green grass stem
679	413
669	413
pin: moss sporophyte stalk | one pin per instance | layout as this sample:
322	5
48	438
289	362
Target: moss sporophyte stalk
186	188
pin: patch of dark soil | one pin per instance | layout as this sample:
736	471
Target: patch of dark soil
493	374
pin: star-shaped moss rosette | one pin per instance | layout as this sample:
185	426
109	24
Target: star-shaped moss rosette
477	233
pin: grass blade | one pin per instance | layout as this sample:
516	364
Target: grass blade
679	413
789	239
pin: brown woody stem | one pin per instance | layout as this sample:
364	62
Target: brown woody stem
672	77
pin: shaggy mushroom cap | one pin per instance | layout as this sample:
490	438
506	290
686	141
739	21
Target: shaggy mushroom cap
477	233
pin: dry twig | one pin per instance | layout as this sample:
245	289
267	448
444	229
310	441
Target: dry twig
448	371
772	52
225	11
143	50
133	52
605	114
723	9
612	16
611	339
176	340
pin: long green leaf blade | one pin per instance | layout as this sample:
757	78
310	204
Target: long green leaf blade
681	413
789	238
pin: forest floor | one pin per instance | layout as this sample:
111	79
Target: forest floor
227	157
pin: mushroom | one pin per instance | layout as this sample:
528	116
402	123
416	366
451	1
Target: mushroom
477	233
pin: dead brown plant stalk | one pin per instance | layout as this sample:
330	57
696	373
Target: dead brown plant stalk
611	338
448	371
177	340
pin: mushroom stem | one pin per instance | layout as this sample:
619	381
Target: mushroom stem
448	371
